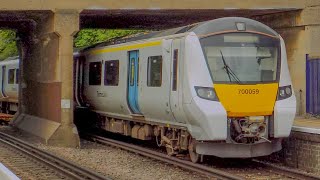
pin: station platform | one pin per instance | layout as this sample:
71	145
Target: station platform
6	174
310	125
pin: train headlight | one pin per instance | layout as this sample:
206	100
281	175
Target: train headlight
206	93
284	92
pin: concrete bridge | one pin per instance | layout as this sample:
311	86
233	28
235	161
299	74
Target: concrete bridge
46	29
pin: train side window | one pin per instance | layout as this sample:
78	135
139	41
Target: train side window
154	71
111	73
11	76
95	73
175	70
17	76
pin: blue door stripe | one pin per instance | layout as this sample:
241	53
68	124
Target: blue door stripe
132	83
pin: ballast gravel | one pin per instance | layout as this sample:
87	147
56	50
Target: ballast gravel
119	164
111	162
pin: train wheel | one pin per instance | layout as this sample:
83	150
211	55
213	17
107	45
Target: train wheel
194	156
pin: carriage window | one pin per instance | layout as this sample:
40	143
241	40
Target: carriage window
17	76
11	76
111	73
175	70
95	73
154	71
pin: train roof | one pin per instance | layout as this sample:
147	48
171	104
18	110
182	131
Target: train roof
10	60
202	28
230	24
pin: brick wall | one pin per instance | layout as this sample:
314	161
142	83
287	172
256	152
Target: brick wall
301	150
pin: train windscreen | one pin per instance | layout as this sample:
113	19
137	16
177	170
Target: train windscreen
242	57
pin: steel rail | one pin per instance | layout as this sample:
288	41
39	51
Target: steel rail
165	158
63	166
288	172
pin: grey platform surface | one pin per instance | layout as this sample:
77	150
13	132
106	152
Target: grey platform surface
6	174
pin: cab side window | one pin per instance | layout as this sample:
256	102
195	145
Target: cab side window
154	71
95	73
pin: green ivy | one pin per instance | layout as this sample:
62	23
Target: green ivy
87	37
8	45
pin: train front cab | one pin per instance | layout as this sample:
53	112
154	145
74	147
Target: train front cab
251	95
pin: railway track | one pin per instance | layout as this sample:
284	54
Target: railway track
164	158
220	173
29	162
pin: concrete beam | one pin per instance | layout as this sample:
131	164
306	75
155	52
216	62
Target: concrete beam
306	17
310	16
155	4
312	3
161	19
281	20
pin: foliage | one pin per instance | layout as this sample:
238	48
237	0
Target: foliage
87	37
8	45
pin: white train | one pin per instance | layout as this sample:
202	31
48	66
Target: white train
9	80
220	88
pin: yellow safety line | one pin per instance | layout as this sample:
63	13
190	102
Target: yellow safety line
128	47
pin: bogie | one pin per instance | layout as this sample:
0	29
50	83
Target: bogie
175	140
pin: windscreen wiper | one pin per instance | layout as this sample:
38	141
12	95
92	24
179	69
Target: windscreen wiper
229	70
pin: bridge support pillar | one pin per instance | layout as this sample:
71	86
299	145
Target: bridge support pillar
46	97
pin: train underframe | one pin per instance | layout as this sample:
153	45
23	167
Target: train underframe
8	107
175	139
242	142
7	110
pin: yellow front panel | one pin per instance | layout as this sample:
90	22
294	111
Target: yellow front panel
247	100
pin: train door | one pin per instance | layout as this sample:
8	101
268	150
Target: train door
133	78
155	82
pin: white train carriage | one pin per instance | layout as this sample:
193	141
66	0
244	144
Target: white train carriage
220	87
9	85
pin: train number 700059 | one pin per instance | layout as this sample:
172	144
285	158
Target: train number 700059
248	91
